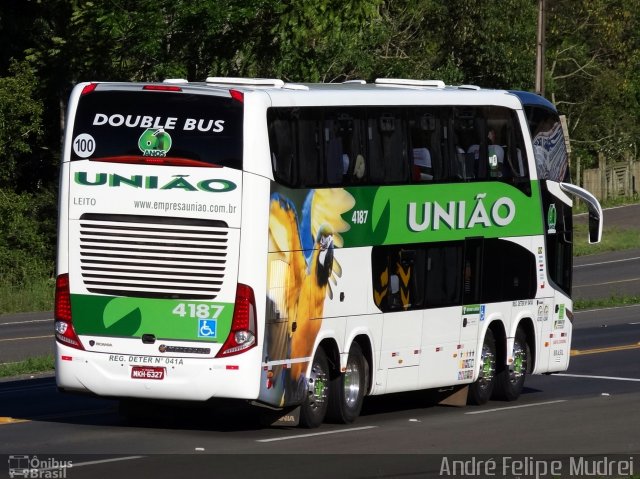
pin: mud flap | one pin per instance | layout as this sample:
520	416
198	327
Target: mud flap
456	396
284	417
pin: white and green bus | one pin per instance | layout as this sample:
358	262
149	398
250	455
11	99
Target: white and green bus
302	246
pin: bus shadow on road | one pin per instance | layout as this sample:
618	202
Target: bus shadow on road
39	400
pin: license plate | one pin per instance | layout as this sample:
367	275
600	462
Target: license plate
147	372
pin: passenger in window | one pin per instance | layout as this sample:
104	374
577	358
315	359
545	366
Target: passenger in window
422	169
359	169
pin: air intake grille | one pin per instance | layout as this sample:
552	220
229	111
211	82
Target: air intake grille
150	256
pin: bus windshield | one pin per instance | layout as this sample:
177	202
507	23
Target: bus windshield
130	126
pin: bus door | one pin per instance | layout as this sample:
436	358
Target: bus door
443	319
473	312
399	296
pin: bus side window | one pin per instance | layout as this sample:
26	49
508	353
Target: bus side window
308	152
333	152
374	152
282	150
468	146
351	130
425	146
398	277
443	284
388	147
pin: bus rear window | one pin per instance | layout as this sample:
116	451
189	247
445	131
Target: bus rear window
138	126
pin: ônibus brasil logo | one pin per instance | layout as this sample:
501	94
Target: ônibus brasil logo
177	182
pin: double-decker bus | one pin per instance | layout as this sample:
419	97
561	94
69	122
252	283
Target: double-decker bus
302	246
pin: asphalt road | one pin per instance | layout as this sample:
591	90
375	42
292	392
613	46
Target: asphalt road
25	335
591	409
607	274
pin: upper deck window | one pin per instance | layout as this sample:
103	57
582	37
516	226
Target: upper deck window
199	129
549	149
319	146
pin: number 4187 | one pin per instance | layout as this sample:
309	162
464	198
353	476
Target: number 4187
195	310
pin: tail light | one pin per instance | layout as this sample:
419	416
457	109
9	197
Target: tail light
62	314
243	334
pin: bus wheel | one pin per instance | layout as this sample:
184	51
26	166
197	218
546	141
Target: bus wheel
510	381
348	389
481	390
314	407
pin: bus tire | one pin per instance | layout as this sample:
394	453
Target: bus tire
480	391
314	408
510	381
348	388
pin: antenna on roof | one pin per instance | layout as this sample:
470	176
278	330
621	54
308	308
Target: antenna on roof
409	82
273	82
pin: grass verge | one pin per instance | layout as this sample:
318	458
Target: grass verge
613	239
610	302
36	295
37	364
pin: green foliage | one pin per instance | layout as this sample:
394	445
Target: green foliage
46	46
39	364
20	120
27	242
614	301
593	54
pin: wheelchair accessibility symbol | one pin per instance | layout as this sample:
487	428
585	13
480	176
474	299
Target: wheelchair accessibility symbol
207	328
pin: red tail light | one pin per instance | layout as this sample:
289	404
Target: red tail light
243	334
162	88
89	88
62	314
237	95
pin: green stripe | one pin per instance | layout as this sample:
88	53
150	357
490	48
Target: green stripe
396	215
133	317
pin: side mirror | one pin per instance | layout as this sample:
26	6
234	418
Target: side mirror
593	205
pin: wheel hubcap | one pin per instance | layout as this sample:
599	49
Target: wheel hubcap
487	371
317	387
519	361
351	384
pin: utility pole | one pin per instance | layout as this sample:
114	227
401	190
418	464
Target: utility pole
540	49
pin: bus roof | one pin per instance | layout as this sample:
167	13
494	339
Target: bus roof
533	99
387	91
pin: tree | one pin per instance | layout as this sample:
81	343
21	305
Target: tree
593	73
20	124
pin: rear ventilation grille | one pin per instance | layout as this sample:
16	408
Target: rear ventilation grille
153	257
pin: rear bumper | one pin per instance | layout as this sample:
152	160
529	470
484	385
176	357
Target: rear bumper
184	379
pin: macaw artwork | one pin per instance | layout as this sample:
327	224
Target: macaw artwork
302	269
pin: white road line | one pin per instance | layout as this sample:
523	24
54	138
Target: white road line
28	322
607	282
517	407
91	463
586	376
605	309
606	262
299	436
27	337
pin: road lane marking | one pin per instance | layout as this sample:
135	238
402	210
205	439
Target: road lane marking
11	420
607	282
606	262
299	436
583	352
517	407
27	337
91	463
28	322
586	376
